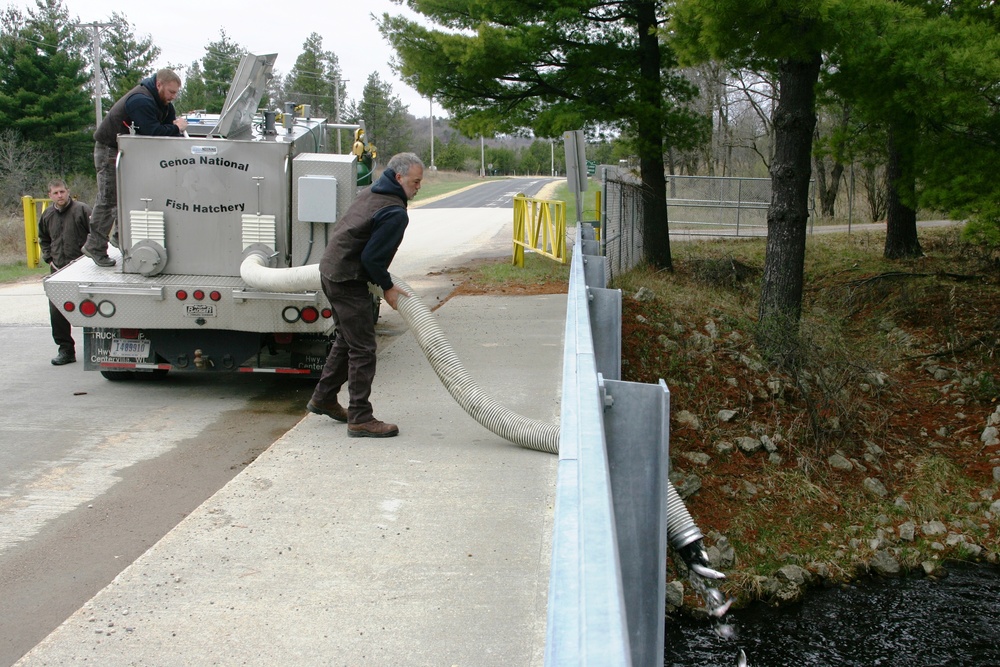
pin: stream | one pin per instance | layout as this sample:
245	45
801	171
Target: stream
911	621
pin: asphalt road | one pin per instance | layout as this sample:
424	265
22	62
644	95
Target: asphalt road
490	194
92	472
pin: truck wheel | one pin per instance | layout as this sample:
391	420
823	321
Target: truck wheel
118	376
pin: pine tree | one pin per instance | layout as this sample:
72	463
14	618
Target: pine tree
126	59
508	65
43	80
385	117
316	79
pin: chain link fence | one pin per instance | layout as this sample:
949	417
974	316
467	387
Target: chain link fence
697	206
621	232
718	206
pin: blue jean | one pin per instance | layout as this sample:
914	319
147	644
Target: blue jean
102	219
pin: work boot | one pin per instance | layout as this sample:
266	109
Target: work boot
64	357
331	409
372	429
100	260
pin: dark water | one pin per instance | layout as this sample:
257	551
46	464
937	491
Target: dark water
911	622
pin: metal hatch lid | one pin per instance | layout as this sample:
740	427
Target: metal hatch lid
244	94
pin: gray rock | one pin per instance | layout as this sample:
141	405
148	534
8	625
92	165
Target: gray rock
700	341
885	564
748	445
774	459
644	294
768	444
640	319
699	458
875	487
972	549
712	329
794	574
667	344
724	447
675	594
687	485
994	419
840	462
907	531
685	418
932	528
990	436
727	415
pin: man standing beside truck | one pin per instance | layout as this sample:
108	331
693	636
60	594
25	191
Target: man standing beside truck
362	245
148	109
62	231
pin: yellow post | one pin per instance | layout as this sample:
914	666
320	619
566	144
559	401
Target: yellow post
520	206
597	229
31	247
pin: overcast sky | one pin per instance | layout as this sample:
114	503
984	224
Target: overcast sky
183	29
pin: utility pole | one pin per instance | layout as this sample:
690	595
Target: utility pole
95	44
336	109
432	133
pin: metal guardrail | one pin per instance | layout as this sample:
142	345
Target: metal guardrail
608	576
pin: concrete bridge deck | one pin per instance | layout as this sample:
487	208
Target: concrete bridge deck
431	548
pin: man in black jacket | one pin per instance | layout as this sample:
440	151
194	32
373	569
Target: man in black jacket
149	110
62	231
362	245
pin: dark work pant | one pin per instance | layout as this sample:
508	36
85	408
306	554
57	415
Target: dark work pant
352	357
62	330
102	218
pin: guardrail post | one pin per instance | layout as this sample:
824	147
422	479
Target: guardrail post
636	430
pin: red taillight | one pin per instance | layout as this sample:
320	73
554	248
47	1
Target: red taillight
309	314
88	308
327	313
283	338
128	333
69	306
198	294
215	296
181	295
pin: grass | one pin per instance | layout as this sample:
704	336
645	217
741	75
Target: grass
15	271
539	275
590	211
899	371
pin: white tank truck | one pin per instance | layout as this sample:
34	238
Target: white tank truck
191	210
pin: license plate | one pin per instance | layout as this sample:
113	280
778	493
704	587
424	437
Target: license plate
199	309
130	348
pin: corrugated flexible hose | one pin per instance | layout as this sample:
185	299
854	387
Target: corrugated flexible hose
529	433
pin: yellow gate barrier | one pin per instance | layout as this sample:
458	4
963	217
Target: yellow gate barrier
32	212
539	217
